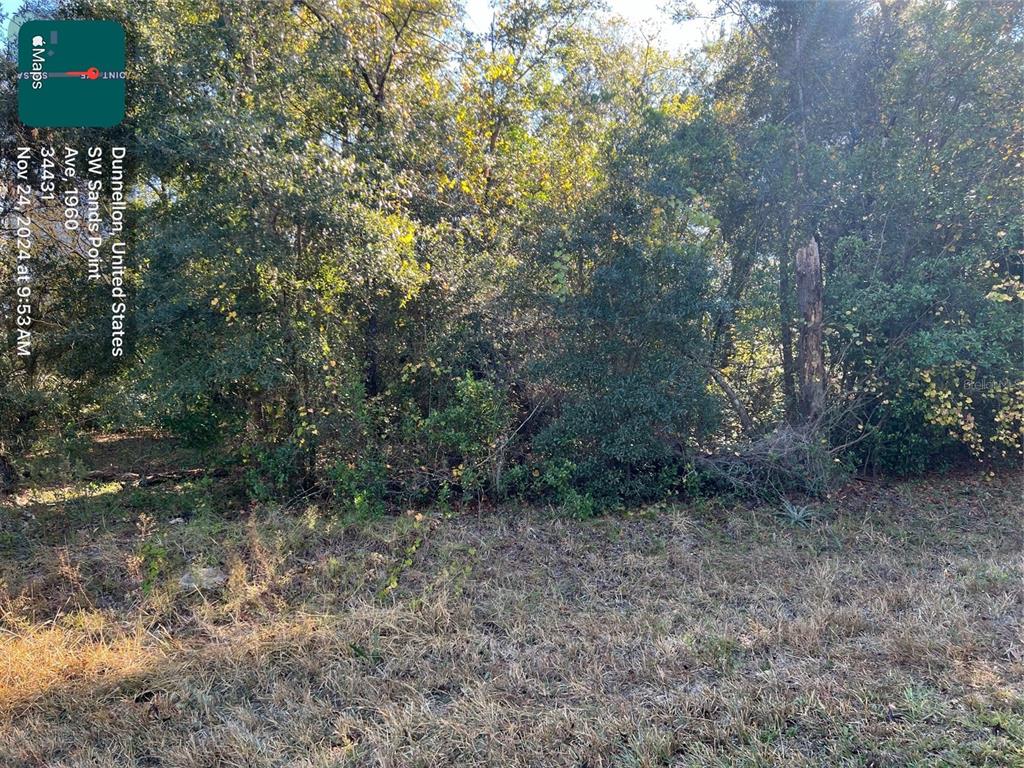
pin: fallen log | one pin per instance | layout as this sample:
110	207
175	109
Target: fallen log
156	478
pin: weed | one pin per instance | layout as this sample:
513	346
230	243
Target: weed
800	515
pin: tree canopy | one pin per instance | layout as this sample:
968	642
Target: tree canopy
377	256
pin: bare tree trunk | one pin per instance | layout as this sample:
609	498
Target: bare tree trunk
811	353
8	475
785	331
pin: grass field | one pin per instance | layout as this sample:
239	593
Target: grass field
884	630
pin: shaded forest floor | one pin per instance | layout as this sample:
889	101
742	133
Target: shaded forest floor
887	632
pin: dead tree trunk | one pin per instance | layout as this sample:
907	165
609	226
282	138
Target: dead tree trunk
810	352
8	475
789	375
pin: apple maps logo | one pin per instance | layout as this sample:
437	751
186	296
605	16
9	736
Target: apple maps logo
71	73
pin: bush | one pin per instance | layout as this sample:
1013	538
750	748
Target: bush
904	443
360	486
632	402
23	415
200	424
465	440
275	471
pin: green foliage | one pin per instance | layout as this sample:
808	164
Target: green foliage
360	486
466	435
555	481
633	398
799	515
383	260
21	415
202	424
271	470
152	557
925	287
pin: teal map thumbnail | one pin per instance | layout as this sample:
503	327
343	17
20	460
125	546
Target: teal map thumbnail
71	73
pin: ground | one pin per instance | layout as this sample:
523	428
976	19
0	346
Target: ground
884	630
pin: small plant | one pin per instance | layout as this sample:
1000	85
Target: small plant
334	568
360	487
152	556
579	505
373	654
443	501
408	554
800	515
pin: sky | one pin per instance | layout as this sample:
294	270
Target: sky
10	6
646	15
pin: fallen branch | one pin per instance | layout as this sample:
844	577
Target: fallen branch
737	405
157	478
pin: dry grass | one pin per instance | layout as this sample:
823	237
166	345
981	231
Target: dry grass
889	633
